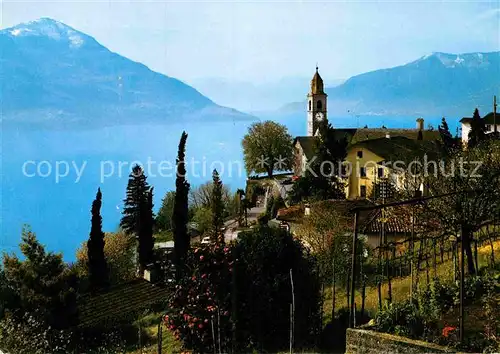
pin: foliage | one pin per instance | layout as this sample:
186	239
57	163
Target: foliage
138	217
401	318
278	203
97	266
217	208
255	295
164	216
265	257
201	197
450	144
203	218
322	180
471	182
267	147
180	210
119	253
477	132
200	303
28	334
263	219
253	191
41	298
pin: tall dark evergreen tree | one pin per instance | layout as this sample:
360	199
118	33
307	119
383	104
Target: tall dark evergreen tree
449	142
98	268
217	207
137	215
477	132
137	193
146	241
180	212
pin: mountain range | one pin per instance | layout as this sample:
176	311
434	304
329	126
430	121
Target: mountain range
438	84
52	75
55	76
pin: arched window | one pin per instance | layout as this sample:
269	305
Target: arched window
309	104
319	105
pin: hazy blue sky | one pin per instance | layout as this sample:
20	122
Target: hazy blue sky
260	41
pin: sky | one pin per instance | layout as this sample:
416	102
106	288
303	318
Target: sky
260	41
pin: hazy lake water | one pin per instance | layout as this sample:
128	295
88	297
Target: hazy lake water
58	211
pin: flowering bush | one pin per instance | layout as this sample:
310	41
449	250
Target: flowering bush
199	305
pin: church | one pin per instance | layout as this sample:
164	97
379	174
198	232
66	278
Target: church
359	139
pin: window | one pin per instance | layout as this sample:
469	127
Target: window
360	154
380	172
309	104
319	105
488	127
362	192
362	171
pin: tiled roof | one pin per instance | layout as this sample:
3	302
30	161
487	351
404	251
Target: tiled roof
355	136
399	148
488	119
119	301
376	133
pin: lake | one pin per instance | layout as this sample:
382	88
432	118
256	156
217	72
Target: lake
57	206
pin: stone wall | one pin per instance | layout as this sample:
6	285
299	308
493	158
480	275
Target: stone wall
362	341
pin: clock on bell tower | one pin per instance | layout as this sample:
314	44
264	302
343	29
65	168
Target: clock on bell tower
316	105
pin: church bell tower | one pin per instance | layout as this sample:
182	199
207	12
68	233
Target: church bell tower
316	105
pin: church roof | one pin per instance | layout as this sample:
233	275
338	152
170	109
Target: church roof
317	84
398	148
355	136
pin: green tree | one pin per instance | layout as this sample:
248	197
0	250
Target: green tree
119	254
180	212
137	191
449	142
217	207
98	268
267	147
138	217
203	219
146	240
322	180
41	301
164	217
477	130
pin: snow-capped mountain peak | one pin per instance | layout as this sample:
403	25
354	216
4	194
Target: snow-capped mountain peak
466	60
49	28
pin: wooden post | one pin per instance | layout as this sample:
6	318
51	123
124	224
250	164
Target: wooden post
353	269
462	293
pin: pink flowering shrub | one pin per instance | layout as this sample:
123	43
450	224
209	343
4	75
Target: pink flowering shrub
199	306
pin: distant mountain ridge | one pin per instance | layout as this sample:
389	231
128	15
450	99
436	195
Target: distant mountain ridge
438	84
55	76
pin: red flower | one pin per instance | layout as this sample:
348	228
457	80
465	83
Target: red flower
193	278
200	326
447	330
203	276
202	258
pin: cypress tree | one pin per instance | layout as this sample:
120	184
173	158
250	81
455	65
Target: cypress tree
146	225
217	207
477	129
98	268
180	212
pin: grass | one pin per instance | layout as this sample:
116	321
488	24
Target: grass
400	286
150	325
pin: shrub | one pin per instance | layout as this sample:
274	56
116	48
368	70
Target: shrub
402	318
265	257
257	296
200	303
